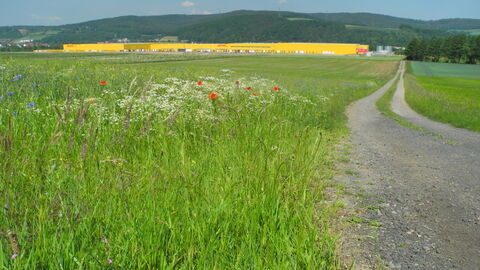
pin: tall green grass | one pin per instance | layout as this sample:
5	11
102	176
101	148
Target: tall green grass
230	183
450	100
444	70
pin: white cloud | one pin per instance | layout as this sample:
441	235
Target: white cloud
188	4
281	2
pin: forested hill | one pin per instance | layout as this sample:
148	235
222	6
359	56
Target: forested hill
377	20
247	26
275	27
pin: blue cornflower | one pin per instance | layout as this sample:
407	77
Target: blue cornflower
31	105
35	85
16	78
15	113
1	99
10	93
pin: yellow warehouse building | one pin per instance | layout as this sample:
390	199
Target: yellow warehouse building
241	48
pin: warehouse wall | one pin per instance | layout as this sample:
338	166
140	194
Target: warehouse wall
109	47
270	48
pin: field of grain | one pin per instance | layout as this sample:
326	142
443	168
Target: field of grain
429	69
147	161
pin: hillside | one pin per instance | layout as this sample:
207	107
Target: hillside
247	26
131	27
275	27
368	19
384	21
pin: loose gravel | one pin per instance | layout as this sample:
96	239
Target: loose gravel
423	190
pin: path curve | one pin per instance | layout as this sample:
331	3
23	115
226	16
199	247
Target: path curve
466	137
426	192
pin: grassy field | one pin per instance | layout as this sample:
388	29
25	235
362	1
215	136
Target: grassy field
364	27
473	32
446	70
40	35
450	100
127	161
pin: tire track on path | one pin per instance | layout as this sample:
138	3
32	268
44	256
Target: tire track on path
426	192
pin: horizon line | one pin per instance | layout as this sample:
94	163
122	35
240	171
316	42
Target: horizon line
232	11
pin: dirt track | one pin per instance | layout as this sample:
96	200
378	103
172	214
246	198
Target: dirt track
423	189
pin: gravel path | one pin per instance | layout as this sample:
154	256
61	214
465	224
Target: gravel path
424	190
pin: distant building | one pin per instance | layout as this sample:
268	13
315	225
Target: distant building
242	48
384	50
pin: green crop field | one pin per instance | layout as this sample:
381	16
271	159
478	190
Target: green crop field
299	19
40	35
445	70
374	28
455	101
473	32
125	161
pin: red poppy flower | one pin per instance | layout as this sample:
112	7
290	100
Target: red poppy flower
199	83
276	88
103	82
213	96
255	94
249	88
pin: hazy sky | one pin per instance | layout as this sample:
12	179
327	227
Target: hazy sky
55	12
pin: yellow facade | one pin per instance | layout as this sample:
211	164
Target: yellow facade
107	47
245	48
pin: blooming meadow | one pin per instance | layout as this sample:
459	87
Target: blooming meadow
161	166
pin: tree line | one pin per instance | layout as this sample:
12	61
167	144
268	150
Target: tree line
452	49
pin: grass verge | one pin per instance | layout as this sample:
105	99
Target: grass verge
449	100
384	106
109	164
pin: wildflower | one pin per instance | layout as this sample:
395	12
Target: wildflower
15	113
35	85
199	83
275	88
103	82
17	78
110	261
92	101
213	96
10	93
1	99
255	94
249	88
14	256
31	105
